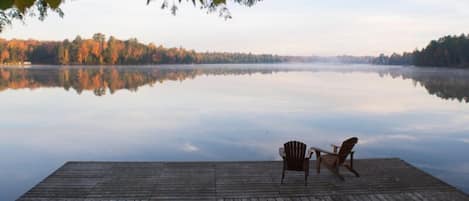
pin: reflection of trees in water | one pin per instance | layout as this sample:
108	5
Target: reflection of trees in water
100	80
446	84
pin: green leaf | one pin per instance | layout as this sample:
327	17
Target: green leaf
22	5
54	3
5	4
218	2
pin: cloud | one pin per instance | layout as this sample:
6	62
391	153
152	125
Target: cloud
386	138
188	147
332	27
448	5
452	124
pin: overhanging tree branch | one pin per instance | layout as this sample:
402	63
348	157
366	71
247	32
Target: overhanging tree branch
17	9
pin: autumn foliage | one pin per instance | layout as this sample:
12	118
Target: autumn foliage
101	51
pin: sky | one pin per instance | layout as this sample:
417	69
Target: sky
299	27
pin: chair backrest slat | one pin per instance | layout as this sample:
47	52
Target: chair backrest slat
346	148
295	154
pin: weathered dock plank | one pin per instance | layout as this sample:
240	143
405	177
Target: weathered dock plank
381	180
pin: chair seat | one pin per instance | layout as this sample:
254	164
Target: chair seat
299	167
329	159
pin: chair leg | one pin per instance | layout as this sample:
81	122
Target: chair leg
306	180
283	176
306	177
318	165
350	168
336	172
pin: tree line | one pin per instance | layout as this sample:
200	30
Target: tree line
100	50
448	51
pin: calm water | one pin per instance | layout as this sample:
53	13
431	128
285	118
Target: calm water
51	115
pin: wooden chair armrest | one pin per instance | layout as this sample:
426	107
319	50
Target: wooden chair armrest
309	154
335	148
321	150
281	152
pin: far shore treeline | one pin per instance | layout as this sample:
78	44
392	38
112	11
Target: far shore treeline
448	51
111	51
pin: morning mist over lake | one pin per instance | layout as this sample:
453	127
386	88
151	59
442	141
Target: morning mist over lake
234	100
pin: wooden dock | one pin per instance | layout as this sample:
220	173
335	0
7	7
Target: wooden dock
381	180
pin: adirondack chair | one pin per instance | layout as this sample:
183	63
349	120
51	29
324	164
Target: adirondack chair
295	158
333	160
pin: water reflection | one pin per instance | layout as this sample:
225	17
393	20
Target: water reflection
227	112
446	84
102	79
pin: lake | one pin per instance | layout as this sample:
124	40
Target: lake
50	115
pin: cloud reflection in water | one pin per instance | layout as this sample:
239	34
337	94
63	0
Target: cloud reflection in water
234	112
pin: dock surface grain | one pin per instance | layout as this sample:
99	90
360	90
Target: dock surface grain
380	180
